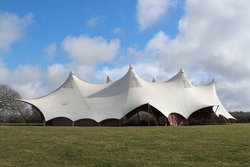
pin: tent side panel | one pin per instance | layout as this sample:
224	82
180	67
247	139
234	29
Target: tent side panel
110	122
85	122
60	121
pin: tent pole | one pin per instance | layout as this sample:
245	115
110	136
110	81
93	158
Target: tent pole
148	114
138	117
216	109
4	119
19	110
154	117
225	121
153	114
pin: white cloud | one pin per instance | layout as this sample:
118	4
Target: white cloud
150	70
24	73
113	73
20	75
56	75
31	82
85	50
146	70
30	89
149	12
50	50
3	72
93	21
118	31
84	72
12	28
158	42
25	79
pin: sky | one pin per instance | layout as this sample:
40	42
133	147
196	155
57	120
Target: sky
41	41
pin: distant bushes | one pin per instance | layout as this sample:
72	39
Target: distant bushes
242	117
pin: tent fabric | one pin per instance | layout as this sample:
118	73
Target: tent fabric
76	99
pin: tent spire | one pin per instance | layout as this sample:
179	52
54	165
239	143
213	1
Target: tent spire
130	67
71	72
211	82
181	70
108	79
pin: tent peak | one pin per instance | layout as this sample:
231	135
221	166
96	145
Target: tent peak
108	79
211	82
134	79
71	72
153	80
181	76
181	70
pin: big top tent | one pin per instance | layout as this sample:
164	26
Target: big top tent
173	102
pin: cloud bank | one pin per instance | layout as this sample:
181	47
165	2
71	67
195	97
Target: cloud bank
86	50
150	12
12	28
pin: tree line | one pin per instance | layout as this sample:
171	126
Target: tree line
242	117
14	111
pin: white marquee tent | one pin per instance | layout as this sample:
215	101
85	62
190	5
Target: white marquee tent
78	100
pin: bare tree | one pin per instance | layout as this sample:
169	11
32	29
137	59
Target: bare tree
10	110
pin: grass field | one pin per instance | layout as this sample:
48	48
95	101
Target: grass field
214	145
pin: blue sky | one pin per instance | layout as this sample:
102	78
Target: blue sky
54	20
41	41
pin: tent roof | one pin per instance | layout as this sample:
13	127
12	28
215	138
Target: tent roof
77	99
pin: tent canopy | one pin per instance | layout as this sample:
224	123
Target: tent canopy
76	99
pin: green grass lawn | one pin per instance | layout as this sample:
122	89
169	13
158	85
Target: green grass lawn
211	145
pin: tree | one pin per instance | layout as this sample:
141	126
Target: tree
242	117
10	110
